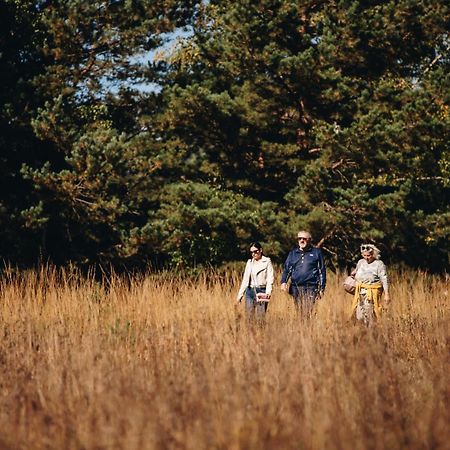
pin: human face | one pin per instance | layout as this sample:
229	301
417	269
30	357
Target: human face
304	240
256	253
367	253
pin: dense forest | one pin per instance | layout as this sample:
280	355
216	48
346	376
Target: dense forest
174	132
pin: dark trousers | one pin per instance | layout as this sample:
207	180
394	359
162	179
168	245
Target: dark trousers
304	297
255	310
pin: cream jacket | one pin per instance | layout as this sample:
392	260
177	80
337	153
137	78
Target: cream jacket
257	273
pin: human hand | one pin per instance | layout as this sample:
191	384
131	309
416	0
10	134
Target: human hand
386	301
261	297
284	287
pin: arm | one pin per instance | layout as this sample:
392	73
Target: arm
353	273
382	274
286	270
286	273
245	281
322	271
270	278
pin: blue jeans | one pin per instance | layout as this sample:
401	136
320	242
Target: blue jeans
255	310
304	297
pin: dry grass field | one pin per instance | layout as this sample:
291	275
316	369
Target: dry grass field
162	363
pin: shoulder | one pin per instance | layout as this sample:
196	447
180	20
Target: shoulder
266	259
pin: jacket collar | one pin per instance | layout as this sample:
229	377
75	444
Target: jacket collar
299	250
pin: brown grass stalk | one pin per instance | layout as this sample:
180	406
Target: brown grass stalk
161	363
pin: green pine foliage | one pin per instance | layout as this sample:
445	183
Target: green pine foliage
338	111
269	117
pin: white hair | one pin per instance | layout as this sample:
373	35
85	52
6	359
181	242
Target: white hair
376	250
307	233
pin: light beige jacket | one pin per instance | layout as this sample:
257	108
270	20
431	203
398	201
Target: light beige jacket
257	273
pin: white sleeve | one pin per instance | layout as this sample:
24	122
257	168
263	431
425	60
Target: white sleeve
245	280
358	265
382	274
270	278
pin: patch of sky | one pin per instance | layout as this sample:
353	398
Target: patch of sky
169	43
116	80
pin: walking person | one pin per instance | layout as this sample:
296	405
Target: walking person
305	268
257	283
371	282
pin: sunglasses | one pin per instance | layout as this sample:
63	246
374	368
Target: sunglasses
301	238
366	248
254	251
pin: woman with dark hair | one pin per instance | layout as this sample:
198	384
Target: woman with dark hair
257	282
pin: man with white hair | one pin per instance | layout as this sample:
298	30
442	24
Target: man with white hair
305	268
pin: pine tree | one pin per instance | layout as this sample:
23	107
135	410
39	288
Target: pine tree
337	111
263	119
78	62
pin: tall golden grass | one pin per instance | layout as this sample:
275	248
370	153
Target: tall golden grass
158	362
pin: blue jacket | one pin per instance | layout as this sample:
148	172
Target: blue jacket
305	268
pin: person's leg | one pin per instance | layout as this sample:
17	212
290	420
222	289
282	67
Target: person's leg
365	311
306	299
260	307
295	293
309	297
250	302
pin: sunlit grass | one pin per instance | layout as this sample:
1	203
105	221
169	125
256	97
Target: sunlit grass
163	362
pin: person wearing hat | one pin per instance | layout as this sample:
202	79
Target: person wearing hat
305	268
371	282
257	283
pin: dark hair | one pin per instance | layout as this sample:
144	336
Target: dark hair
256	244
